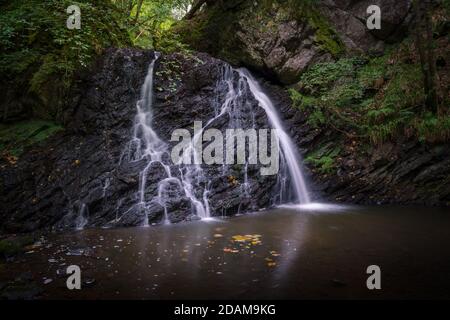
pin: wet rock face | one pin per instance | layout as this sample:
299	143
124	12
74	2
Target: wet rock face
349	20
410	173
284	39
50	183
404	171
80	177
400	172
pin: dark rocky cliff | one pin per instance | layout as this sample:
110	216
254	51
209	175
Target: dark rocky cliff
79	166
284	39
405	171
79	171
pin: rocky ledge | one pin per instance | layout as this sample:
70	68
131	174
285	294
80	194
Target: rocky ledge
80	173
403	171
78	170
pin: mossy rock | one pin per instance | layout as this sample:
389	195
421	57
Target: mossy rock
13	246
16	137
248	33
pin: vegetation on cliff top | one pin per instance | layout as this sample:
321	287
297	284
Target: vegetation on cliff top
214	30
34	38
15	138
37	46
372	100
40	56
38	51
369	100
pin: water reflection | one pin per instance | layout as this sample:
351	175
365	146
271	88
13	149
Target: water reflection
285	253
316	207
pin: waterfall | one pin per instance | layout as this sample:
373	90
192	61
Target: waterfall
81	220
290	155
190	181
146	145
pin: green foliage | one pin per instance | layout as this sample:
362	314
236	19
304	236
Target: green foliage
376	99
432	128
306	10
167	41
301	101
39	55
8	248
13	246
14	138
325	36
375	69
345	94
320	77
149	22
446	5
324	160
393	110
37	48
316	118
330	92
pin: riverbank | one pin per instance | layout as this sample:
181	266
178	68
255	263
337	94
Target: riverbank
315	253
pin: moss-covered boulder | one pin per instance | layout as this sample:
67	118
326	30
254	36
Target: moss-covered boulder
282	38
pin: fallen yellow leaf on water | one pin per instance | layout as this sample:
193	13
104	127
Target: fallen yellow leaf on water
239	238
254	239
271	264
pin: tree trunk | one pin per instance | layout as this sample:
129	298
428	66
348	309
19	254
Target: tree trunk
420	45
424	44
130	7
138	11
195	7
432	95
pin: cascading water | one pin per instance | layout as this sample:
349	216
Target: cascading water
81	220
191	181
146	145
290	155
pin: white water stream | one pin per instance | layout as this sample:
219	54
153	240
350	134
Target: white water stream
146	145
